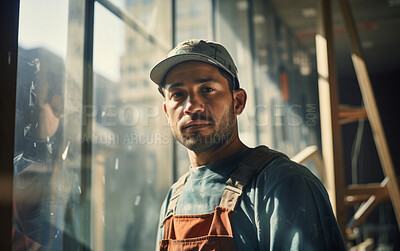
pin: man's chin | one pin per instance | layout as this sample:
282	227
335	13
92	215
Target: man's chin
200	148
203	143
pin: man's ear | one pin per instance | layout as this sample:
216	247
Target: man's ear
165	109
239	99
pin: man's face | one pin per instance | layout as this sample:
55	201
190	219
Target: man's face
199	106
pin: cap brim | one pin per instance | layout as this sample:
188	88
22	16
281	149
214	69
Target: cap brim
159	71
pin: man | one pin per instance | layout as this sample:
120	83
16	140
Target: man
234	197
43	201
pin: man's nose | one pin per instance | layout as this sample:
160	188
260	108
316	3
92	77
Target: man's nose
194	104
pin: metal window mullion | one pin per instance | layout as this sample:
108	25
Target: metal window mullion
213	18
174	143
250	15
9	20
87	127
134	24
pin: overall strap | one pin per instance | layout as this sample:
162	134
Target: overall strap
176	193
247	169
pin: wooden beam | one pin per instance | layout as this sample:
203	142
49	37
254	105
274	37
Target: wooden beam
372	195
311	153
371	108
328	99
348	114
365	209
370	189
356	194
356	199
367	245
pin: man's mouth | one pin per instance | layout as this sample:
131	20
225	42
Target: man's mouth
196	124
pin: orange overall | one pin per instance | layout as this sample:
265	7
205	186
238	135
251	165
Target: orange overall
212	231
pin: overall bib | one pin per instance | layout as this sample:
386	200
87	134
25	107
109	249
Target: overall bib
212	231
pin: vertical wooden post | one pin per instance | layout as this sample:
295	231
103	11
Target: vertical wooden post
328	99
371	108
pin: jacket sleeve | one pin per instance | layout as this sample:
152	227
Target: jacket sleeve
296	215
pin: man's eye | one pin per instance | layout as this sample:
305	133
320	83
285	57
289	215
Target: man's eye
177	94
207	90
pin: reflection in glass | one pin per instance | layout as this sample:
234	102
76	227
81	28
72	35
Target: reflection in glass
131	140
37	150
47	154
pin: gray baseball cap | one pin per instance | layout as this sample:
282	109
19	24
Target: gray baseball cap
196	50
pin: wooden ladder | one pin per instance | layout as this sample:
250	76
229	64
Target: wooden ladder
333	116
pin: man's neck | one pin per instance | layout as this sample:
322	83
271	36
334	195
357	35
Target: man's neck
231	147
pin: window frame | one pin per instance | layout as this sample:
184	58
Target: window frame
9	19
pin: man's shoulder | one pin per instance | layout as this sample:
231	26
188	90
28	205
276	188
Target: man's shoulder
281	168
264	154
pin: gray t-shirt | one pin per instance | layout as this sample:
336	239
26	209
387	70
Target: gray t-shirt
284	207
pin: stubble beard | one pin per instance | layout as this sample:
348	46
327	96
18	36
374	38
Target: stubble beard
198	143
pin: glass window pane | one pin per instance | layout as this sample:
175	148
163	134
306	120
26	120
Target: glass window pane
132	165
124	3
232	28
266	73
47	158
280	69
193	20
